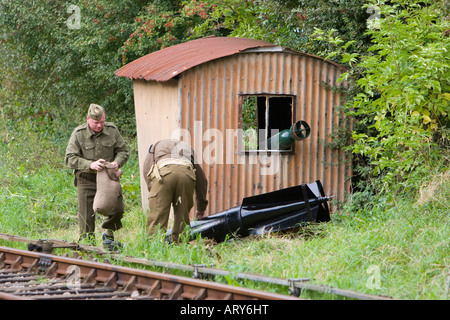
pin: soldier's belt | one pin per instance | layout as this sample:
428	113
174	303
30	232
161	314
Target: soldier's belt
165	162
154	170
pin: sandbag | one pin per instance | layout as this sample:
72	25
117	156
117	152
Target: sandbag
106	200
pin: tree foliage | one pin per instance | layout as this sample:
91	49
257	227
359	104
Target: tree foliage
59	56
165	23
404	82
287	22
63	54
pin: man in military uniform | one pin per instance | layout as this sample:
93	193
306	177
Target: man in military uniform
90	146
172	177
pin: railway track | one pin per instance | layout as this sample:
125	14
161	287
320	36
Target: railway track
26	275
294	286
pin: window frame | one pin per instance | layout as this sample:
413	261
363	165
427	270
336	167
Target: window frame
241	147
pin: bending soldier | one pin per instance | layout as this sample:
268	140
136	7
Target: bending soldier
90	146
172	176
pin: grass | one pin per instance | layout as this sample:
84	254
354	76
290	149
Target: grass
399	248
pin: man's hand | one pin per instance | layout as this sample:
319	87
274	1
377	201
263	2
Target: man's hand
116	165
97	165
200	214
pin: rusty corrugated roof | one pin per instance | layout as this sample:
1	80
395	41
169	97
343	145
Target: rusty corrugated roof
169	62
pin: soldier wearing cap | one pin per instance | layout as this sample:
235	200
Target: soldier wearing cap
90	146
172	176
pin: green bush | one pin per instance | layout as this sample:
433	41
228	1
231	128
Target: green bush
397	239
402	106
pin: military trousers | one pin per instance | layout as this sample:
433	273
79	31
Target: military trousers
176	188
87	187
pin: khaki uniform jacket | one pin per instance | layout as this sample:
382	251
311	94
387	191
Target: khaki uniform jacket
174	149
85	147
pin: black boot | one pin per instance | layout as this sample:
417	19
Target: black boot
109	243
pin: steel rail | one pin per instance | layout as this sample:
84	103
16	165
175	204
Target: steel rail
107	281
295	285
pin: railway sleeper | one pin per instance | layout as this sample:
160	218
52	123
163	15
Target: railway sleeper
31	275
46	279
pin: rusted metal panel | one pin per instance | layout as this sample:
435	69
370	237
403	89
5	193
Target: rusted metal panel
210	104
167	63
208	76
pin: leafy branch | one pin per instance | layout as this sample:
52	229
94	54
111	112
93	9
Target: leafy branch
403	82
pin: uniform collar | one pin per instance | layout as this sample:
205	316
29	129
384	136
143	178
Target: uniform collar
90	134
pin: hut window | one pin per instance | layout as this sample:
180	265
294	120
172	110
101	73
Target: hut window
263	116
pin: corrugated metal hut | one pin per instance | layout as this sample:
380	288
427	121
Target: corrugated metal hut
226	96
